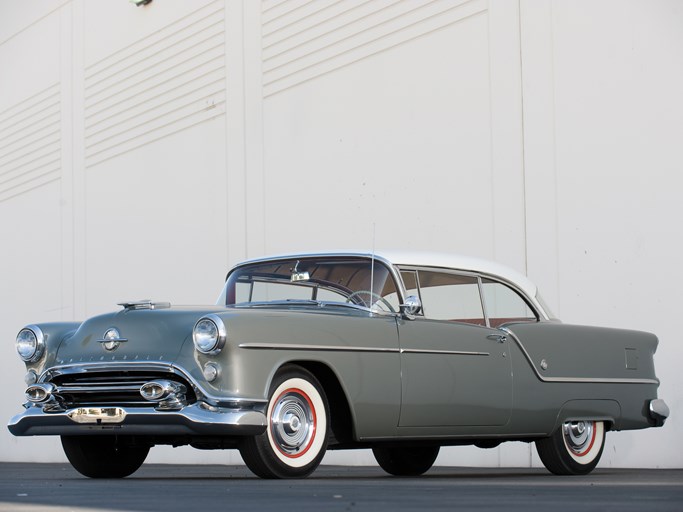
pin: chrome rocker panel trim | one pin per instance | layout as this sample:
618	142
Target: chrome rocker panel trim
195	419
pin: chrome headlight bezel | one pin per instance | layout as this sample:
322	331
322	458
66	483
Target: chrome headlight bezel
38	344
215	341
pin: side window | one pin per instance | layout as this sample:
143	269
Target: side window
453	297
504	305
410	281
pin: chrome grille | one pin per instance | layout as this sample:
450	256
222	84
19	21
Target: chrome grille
110	388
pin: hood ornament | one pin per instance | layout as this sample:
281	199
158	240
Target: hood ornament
144	304
111	339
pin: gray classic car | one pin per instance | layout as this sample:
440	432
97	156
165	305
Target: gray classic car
401	353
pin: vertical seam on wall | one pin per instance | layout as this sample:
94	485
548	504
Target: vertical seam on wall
555	173
262	159
491	143
83	185
61	164
72	144
245	159
523	141
227	120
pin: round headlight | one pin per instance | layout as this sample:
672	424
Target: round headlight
209	335
30	343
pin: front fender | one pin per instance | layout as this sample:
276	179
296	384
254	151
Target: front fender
55	333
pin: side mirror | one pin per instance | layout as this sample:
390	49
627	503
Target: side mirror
411	307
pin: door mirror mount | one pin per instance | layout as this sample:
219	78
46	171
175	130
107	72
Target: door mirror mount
411	307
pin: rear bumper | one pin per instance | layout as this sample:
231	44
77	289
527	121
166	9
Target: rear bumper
195	419
658	411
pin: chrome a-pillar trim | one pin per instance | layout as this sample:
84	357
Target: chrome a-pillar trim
196	419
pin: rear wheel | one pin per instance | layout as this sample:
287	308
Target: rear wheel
298	425
573	449
408	461
104	456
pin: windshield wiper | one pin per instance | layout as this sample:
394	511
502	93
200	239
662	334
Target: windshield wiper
306	302
310	302
280	302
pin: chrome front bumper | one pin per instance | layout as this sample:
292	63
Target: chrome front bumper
195	419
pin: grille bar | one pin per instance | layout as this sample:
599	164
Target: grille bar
109	388
99	389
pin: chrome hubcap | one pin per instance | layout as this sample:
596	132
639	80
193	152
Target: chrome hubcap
578	435
292	422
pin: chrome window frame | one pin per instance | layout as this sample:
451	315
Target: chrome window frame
532	304
373	259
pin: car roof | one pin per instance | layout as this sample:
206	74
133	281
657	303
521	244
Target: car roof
403	258
460	262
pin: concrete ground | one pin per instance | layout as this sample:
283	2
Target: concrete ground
59	488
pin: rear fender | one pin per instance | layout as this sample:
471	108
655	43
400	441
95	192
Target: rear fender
560	352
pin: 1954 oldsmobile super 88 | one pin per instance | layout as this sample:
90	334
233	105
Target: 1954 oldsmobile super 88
400	353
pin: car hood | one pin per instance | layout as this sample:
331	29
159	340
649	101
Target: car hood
155	335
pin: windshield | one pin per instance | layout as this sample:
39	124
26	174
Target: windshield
326	281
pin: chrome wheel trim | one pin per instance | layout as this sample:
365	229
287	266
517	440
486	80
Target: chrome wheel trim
293	422
579	435
296	422
583	439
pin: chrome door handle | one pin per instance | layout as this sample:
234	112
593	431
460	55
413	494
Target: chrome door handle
500	338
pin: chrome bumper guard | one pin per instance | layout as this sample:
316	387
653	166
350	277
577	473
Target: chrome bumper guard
658	411
195	419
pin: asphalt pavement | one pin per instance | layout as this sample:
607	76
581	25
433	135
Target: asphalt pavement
209	488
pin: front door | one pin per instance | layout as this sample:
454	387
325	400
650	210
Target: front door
455	370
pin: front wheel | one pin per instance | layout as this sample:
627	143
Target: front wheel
295	440
408	461
104	456
573	449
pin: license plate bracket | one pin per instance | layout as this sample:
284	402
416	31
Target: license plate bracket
97	415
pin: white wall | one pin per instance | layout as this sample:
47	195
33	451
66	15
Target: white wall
164	143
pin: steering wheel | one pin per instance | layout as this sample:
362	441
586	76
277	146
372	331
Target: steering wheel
378	299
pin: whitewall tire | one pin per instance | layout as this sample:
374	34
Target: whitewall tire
573	449
295	440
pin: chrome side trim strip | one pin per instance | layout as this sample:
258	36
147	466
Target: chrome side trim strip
577	380
443	352
315	348
597	380
338	348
